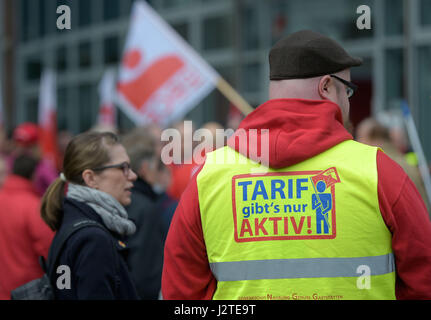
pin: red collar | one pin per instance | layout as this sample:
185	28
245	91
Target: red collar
298	130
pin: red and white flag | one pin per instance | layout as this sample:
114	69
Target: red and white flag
329	177
48	116
107	112
161	77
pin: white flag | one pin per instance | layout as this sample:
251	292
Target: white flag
107	114
48	115
161	77
47	98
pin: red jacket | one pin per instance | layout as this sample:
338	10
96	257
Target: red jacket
181	175
23	235
294	128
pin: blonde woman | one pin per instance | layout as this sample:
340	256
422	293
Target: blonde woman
95	186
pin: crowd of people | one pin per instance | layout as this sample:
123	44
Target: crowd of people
27	181
144	219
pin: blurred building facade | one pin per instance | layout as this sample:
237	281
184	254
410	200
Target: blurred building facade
234	36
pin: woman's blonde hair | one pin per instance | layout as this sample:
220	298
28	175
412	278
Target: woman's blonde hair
85	151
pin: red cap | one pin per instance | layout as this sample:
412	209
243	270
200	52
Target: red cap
26	134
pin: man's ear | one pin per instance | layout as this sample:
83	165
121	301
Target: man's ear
326	87
90	178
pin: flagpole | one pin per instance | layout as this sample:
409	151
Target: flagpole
233	96
417	147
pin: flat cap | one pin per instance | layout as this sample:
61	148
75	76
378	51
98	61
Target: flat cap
308	54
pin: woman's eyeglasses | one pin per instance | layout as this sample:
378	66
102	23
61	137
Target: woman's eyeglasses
125	166
350	87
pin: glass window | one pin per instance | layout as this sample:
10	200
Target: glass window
203	111
111	9
61	59
334	18
84	54
73	15
394	76
394	21
251	77
32	22
228	73
182	29
111	51
87	107
24	13
124	122
33	68
84	13
2	18
127	7
62	108
51	16
352	32
176	3
424	93
425	12
213	107
278	20
217	32
360	103
249	28
32	106
220	103
42	8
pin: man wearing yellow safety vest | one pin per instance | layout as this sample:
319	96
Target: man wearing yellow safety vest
293	208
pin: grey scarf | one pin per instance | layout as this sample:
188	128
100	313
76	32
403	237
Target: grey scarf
113	214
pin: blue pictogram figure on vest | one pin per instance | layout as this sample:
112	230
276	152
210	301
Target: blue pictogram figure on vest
322	203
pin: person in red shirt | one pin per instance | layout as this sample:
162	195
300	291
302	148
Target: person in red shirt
24	237
308	104
3	171
27	139
181	172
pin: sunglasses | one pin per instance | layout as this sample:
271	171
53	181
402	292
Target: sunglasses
350	87
125	166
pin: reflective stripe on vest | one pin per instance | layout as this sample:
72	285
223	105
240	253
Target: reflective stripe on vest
301	268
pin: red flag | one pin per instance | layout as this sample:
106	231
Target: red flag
48	117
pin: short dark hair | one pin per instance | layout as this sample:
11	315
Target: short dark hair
24	166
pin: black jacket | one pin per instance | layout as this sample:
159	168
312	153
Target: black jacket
145	258
96	260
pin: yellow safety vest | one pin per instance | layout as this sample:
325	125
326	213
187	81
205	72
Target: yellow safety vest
309	231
